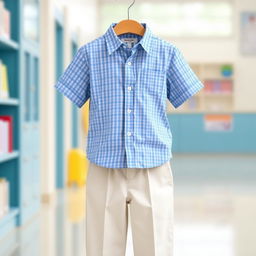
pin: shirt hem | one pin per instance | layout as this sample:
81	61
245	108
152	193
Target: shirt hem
120	167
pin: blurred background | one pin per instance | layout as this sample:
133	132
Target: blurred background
43	136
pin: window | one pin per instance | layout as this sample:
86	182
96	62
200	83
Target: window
176	18
31	19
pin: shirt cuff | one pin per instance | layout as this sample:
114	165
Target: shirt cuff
69	94
187	94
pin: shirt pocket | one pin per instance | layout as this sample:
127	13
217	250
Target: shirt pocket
153	80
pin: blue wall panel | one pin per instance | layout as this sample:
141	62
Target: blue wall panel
189	134
59	133
74	110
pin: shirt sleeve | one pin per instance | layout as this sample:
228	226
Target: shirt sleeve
74	83
182	82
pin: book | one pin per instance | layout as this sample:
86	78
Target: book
4	83
218	86
6	134
4	197
7	15
1	17
227	86
208	86
5	21
2	137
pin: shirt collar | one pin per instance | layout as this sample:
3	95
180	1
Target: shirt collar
113	41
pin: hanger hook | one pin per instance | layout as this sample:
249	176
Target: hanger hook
129	8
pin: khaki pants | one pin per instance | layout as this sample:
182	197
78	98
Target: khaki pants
149	193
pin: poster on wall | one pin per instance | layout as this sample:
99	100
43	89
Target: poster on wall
218	122
248	33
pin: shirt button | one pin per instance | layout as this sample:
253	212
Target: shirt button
129	110
129	88
129	63
129	133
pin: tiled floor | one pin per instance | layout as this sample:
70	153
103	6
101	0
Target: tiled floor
214	216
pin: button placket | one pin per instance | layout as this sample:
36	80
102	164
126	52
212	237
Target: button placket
129	133
129	79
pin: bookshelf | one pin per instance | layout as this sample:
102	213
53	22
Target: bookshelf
209	122
9	106
218	93
20	54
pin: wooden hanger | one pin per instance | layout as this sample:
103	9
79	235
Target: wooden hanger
129	26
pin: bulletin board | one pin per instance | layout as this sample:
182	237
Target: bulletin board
218	122
248	33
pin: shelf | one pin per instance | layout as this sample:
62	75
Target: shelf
14	211
8	44
9	101
219	78
218	94
9	156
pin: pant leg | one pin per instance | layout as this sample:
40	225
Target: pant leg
151	210
106	211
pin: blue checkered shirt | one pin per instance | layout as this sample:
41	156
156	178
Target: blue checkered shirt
128	84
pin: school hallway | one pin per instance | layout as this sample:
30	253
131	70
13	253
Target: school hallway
45	145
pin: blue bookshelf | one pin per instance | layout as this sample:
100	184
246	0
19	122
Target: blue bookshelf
21	167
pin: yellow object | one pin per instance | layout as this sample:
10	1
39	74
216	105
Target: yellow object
77	167
76	198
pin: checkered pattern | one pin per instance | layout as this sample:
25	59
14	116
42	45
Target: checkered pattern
128	88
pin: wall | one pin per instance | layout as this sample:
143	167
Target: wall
47	75
214	50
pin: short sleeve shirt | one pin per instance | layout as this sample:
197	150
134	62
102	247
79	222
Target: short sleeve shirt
128	79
